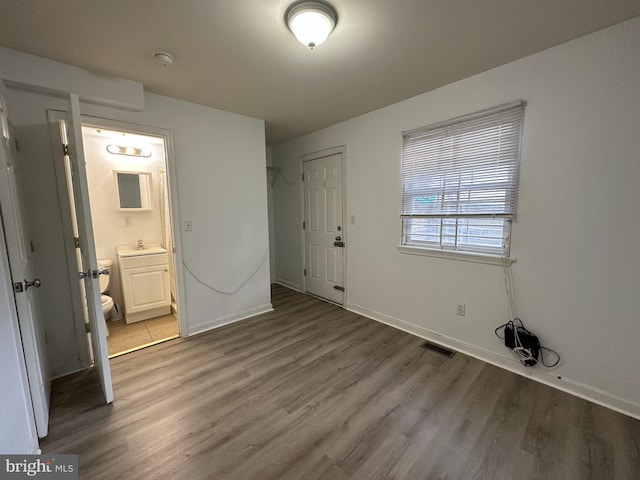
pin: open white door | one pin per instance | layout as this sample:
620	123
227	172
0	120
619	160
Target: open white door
88	267
23	278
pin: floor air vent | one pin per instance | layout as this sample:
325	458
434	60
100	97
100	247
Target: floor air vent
438	349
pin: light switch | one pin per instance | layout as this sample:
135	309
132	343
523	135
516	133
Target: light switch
188	226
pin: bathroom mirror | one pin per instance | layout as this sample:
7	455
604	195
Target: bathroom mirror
133	190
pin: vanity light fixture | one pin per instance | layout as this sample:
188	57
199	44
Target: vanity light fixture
128	150
311	22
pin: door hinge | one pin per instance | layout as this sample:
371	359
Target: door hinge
302	176
15	140
87	327
65	149
76	242
336	287
305	272
304	225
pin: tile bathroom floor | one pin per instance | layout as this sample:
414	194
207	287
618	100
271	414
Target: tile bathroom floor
124	337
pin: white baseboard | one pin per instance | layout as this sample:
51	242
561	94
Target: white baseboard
285	283
507	362
228	319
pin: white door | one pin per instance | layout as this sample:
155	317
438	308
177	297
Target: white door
88	263
324	227
24	281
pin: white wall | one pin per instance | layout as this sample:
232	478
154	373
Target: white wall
575	241
221	188
109	227
30	71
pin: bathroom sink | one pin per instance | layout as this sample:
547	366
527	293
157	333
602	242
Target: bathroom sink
131	251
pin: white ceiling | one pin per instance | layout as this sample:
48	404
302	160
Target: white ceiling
238	55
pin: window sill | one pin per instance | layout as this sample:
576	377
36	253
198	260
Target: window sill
461	256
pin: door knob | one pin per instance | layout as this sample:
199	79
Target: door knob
36	283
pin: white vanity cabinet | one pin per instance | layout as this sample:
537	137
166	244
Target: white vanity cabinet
145	284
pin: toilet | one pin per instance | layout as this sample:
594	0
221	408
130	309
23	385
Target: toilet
105	281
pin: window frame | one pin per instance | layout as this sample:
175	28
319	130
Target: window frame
427	164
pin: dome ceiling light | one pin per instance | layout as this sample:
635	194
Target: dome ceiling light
311	22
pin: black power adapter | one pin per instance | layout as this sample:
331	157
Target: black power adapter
522	342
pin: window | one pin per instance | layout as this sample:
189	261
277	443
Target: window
460	182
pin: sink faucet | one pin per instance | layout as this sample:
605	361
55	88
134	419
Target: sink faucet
140	245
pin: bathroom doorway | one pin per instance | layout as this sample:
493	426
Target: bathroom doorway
131	214
130	209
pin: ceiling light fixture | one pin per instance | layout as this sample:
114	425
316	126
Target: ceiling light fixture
311	22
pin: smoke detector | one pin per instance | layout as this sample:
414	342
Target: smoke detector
164	58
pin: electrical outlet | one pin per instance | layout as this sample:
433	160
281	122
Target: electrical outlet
127	221
188	226
460	309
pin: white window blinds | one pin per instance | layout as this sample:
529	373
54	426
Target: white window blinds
460	175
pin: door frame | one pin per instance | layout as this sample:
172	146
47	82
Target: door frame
172	191
53	117
326	152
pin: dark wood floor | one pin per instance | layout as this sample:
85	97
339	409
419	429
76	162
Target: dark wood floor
311	391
